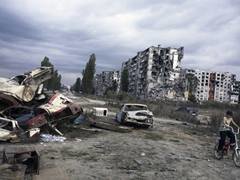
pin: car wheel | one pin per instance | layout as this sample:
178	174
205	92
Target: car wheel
123	118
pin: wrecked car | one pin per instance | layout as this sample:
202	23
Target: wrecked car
10	131
26	117
60	107
24	88
137	114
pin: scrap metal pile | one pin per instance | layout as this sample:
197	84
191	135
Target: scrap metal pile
26	110
19	163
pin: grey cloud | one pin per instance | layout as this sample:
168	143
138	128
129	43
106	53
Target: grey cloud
209	31
13	27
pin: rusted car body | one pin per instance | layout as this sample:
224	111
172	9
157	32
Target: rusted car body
137	114
27	117
18	104
28	157
60	107
24	88
10	131
57	109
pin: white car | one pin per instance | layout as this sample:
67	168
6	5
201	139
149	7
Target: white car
138	114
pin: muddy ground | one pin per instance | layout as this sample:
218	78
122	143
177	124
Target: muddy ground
171	150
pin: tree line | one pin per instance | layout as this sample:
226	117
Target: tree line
85	85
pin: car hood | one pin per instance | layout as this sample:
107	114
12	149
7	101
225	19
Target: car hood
10	87
141	114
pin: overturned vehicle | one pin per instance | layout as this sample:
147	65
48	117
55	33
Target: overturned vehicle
136	114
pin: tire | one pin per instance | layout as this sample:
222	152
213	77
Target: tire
218	154
236	158
123	118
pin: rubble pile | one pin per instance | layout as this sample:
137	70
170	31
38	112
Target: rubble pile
26	109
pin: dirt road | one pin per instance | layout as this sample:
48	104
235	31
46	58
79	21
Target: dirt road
168	151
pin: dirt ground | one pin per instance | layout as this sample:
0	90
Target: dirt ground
171	150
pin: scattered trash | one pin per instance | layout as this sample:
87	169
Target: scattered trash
100	112
78	140
111	127
51	138
138	162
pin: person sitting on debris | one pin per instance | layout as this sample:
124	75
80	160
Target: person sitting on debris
226	131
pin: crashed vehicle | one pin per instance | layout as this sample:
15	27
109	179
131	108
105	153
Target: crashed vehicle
24	88
58	108
23	102
137	114
10	131
27	117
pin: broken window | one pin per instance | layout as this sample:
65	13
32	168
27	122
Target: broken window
6	125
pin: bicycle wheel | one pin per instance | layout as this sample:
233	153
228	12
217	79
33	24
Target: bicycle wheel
236	157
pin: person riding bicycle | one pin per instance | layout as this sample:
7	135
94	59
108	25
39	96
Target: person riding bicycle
225	130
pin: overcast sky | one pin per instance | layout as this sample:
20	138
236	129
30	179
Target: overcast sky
68	31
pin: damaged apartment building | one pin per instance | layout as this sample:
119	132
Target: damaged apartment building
215	86
154	73
107	80
235	93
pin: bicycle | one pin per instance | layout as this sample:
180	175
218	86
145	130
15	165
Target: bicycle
224	152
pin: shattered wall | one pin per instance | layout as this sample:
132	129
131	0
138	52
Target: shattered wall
154	70
235	93
106	80
213	86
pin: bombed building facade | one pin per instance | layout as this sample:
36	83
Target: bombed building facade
235	93
107	80
154	73
214	86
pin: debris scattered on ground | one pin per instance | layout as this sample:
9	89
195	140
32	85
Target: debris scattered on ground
19	162
111	127
78	140
51	138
